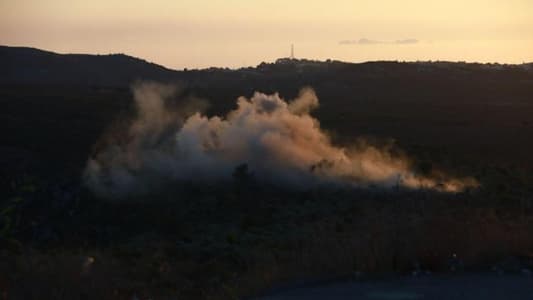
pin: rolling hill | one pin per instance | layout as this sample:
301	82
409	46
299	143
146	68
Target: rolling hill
33	66
445	110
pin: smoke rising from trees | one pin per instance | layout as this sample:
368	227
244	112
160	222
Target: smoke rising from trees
278	140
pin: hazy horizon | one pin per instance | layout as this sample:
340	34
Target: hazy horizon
238	33
265	61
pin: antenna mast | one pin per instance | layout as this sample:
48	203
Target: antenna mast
292	51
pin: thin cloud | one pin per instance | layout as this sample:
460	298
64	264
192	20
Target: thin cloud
365	41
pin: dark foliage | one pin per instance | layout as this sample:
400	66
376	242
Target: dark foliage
58	241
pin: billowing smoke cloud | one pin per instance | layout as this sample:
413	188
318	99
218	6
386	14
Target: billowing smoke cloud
279	141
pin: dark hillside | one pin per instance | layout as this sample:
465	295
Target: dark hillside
33	66
230	240
448	111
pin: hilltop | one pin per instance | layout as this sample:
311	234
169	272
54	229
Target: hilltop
24	65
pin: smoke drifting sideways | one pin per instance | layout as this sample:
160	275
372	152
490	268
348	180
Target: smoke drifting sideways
278	140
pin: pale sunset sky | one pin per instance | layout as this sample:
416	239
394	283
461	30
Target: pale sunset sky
235	33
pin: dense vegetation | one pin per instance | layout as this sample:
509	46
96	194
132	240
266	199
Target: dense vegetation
59	241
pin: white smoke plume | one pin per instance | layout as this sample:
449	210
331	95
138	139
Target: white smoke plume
279	140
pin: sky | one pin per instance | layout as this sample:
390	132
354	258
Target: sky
235	33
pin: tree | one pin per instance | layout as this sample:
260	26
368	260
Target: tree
242	175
